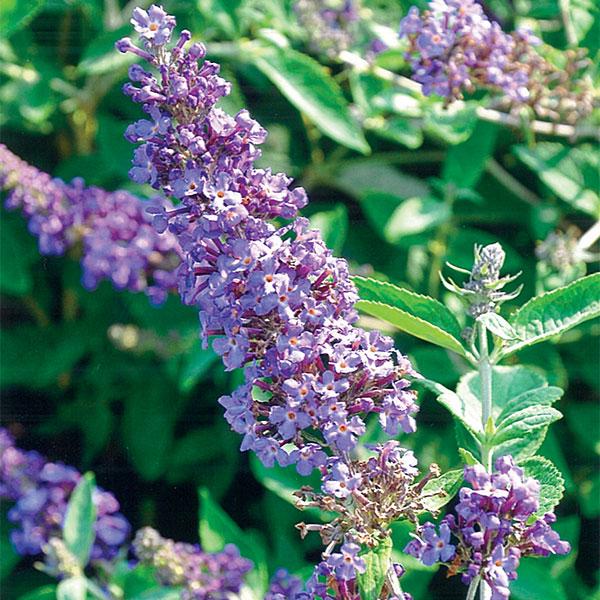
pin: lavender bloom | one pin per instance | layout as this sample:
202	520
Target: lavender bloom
346	563
492	527
284	586
40	491
330	24
453	47
118	239
275	300
203	576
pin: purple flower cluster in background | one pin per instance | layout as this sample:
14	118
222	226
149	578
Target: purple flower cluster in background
279	303
454	46
330	24
202	575
493	529
40	491
118	240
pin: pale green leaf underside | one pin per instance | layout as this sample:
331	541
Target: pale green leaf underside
552	483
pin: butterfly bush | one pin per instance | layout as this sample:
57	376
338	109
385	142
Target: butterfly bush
330	24
278	302
495	525
40	491
118	241
202	575
453	48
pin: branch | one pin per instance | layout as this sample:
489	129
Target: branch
485	114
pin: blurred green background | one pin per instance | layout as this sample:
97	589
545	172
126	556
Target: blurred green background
106	382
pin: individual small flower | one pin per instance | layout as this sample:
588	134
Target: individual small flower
437	547
154	25
346	564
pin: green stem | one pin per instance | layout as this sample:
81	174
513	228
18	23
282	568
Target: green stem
473	588
485	378
439	245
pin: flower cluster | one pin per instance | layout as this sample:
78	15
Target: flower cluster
493	528
331	24
454	47
279	303
367	495
118	240
483	290
40	491
284	586
201	575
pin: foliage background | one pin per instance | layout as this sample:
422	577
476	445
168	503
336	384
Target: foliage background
107	382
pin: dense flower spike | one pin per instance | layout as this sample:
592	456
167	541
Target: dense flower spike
202	575
484	289
284	586
118	241
41	491
454	47
492	529
279	303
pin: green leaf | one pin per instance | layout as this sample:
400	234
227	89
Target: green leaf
534	583
73	588
305	83
542	396
407	132
10	557
19	253
467	457
148	424
218	529
452	124
498	325
441	490
78	527
571	173
357	177
417	315
466	162
196	365
582	15
46	592
15	14
101	57
552	484
377	562
50	352
409	217
523	422
555	312
333	225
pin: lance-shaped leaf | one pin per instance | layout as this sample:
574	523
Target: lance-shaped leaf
523	422
555	312
552	484
305	83
439	491
542	396
217	529
78	527
415	314
377	562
